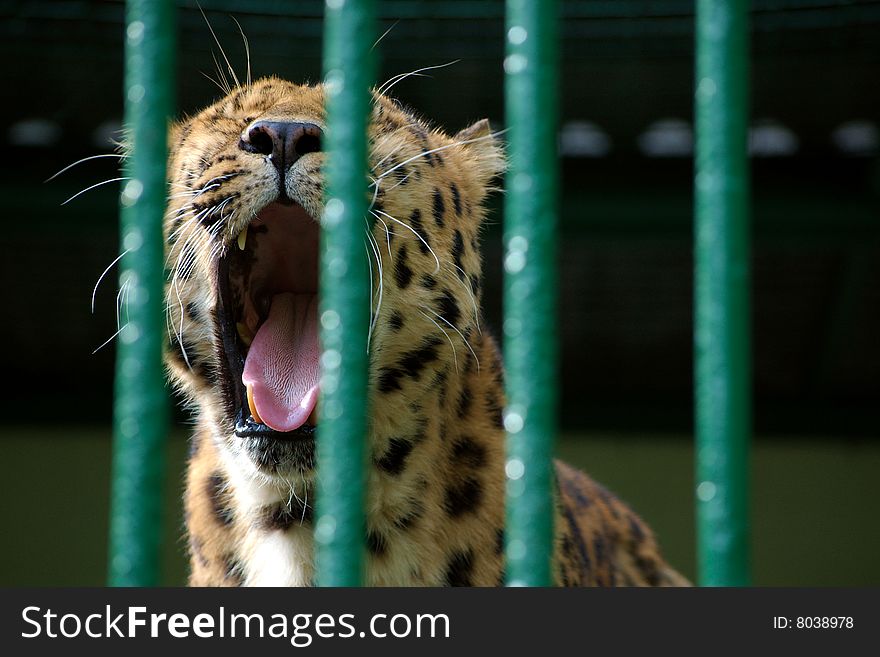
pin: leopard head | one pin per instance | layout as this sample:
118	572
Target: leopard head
242	229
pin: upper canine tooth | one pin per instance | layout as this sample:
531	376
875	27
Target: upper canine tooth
244	333
242	238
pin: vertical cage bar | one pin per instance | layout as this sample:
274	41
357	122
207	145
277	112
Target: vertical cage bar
140	411
722	310
530	350
349	31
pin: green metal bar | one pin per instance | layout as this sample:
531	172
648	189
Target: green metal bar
345	294
722	316
140	410
530	222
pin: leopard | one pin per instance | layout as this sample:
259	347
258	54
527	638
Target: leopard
242	240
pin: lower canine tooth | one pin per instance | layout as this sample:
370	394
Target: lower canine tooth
242	238
252	406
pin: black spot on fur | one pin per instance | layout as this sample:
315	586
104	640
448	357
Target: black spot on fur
219	497
440	385
235	101
635	530
458	569
429	281
196	548
439	208
465	401
456	198
407	520
185	132
499	541
582	553
395	321
457	253
648	567
609	499
468	453
234	570
599	549
420	134
475	284
469	360
463	497
402	174
566	581
402	273
421	431
568	548
494	409
389	379
193	312
376	543
394	459
413	362
281	517
415	222
449	308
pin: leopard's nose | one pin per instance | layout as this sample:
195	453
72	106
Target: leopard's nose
283	141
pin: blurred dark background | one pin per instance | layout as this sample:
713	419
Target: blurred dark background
626	142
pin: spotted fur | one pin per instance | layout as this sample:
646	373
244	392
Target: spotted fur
436	479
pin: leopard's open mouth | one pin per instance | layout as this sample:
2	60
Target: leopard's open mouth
268	322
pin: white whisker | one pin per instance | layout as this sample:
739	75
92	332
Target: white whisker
222	52
247	49
108	340
402	76
384	34
399	182
121	297
103	274
91	187
470	294
414	232
387	236
380	287
447	322
119	156
225	88
451	343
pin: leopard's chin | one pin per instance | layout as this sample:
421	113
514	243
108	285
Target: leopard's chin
276	456
275	452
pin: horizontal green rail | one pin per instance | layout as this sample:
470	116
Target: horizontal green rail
722	316
140	412
530	349
345	295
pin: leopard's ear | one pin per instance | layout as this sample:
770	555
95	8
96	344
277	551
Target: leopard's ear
475	131
483	146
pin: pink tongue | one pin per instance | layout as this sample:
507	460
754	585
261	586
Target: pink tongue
282	363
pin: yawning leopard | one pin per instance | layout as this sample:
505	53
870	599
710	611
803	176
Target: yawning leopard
242	230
